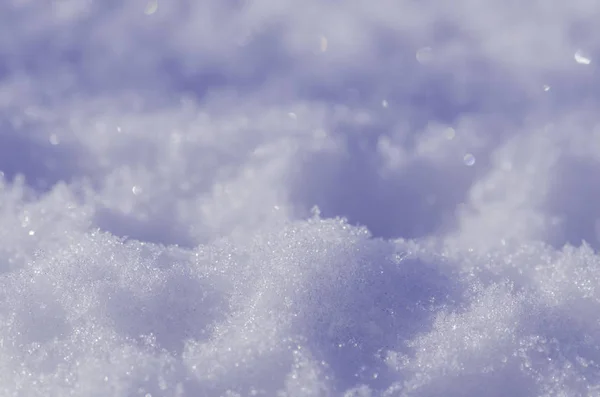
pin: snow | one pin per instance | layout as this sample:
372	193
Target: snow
325	198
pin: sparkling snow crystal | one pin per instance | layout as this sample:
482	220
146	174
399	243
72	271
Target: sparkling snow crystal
318	198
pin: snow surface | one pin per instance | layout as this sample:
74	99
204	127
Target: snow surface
299	198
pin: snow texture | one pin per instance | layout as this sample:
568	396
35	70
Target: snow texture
299	198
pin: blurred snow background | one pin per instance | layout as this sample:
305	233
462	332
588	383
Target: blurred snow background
285	198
